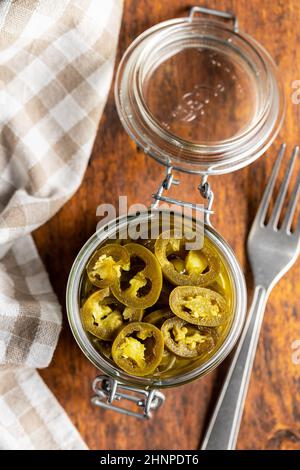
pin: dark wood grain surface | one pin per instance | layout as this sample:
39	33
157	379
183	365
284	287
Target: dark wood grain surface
272	414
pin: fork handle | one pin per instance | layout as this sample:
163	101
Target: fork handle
224	426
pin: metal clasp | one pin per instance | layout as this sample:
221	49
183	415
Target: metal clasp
108	390
220	14
204	189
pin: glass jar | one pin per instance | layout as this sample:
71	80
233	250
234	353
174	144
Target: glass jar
199	97
117	375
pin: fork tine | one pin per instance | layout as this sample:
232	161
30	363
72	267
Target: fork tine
290	212
263	207
283	189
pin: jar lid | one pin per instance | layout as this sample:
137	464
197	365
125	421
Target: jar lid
198	95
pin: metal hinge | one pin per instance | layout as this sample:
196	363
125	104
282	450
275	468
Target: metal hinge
109	390
203	188
226	15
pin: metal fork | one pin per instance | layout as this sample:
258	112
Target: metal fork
272	250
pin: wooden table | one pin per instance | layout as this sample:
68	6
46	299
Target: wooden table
272	414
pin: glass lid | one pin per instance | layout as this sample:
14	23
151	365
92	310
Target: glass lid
196	94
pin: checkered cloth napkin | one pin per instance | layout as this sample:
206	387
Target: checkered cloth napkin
56	64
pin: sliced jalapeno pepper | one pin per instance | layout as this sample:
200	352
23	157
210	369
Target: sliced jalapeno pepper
182	267
219	285
106	263
167	362
186	340
199	305
158	317
132	314
138	348
139	287
104	347
101	315
147	243
87	289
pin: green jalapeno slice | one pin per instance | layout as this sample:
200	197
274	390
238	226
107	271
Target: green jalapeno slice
132	314
103	315
103	347
186	340
140	286
185	267
138	348
158	317
199	305
106	263
167	362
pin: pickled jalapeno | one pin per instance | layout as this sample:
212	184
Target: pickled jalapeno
198	305
182	267
138	348
155	308
141	285
186	340
106	263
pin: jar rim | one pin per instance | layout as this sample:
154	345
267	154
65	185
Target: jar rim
170	149
217	146
81	337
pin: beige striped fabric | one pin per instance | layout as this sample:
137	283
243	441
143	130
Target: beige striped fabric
56	64
31	417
